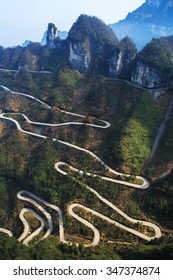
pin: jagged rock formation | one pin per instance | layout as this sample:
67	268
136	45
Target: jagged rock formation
121	59
115	63
26	43
153	66
91	43
152	19
61	34
146	76
92	47
80	55
51	35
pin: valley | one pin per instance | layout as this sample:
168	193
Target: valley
58	168
86	154
66	169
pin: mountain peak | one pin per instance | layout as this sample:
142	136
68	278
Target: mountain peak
51	34
153	19
93	28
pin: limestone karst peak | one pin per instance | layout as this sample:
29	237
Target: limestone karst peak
51	34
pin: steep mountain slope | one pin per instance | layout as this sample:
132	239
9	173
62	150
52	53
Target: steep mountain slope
152	19
91	43
91	47
153	66
34	57
69	136
32	168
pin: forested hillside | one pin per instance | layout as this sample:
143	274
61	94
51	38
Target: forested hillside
27	163
79	119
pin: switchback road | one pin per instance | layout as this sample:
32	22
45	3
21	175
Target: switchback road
40	204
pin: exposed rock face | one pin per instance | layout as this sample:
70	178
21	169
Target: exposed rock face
115	64
146	76
119	61
80	56
153	66
157	93
26	43
61	34
91	43
122	57
51	35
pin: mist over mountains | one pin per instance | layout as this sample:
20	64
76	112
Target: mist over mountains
152	19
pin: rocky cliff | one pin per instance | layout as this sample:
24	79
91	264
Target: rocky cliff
51	35
115	64
92	47
80	55
146	76
153	66
91	44
122	57
61	34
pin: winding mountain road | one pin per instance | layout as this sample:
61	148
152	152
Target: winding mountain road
25	95
103	217
22	195
35	200
29	71
140	186
6	231
26	229
106	124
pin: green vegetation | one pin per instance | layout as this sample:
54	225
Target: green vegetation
162	160
39	172
94	28
24	80
69	78
139	133
158	54
34	57
3	194
95	39
53	59
159	201
50	249
28	163
129	51
127	44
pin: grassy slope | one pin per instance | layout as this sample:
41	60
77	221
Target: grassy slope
139	133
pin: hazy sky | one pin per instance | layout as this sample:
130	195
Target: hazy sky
22	19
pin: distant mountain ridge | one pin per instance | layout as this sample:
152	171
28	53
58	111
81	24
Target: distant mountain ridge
152	19
93	48
62	34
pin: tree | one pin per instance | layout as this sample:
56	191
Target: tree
3	194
